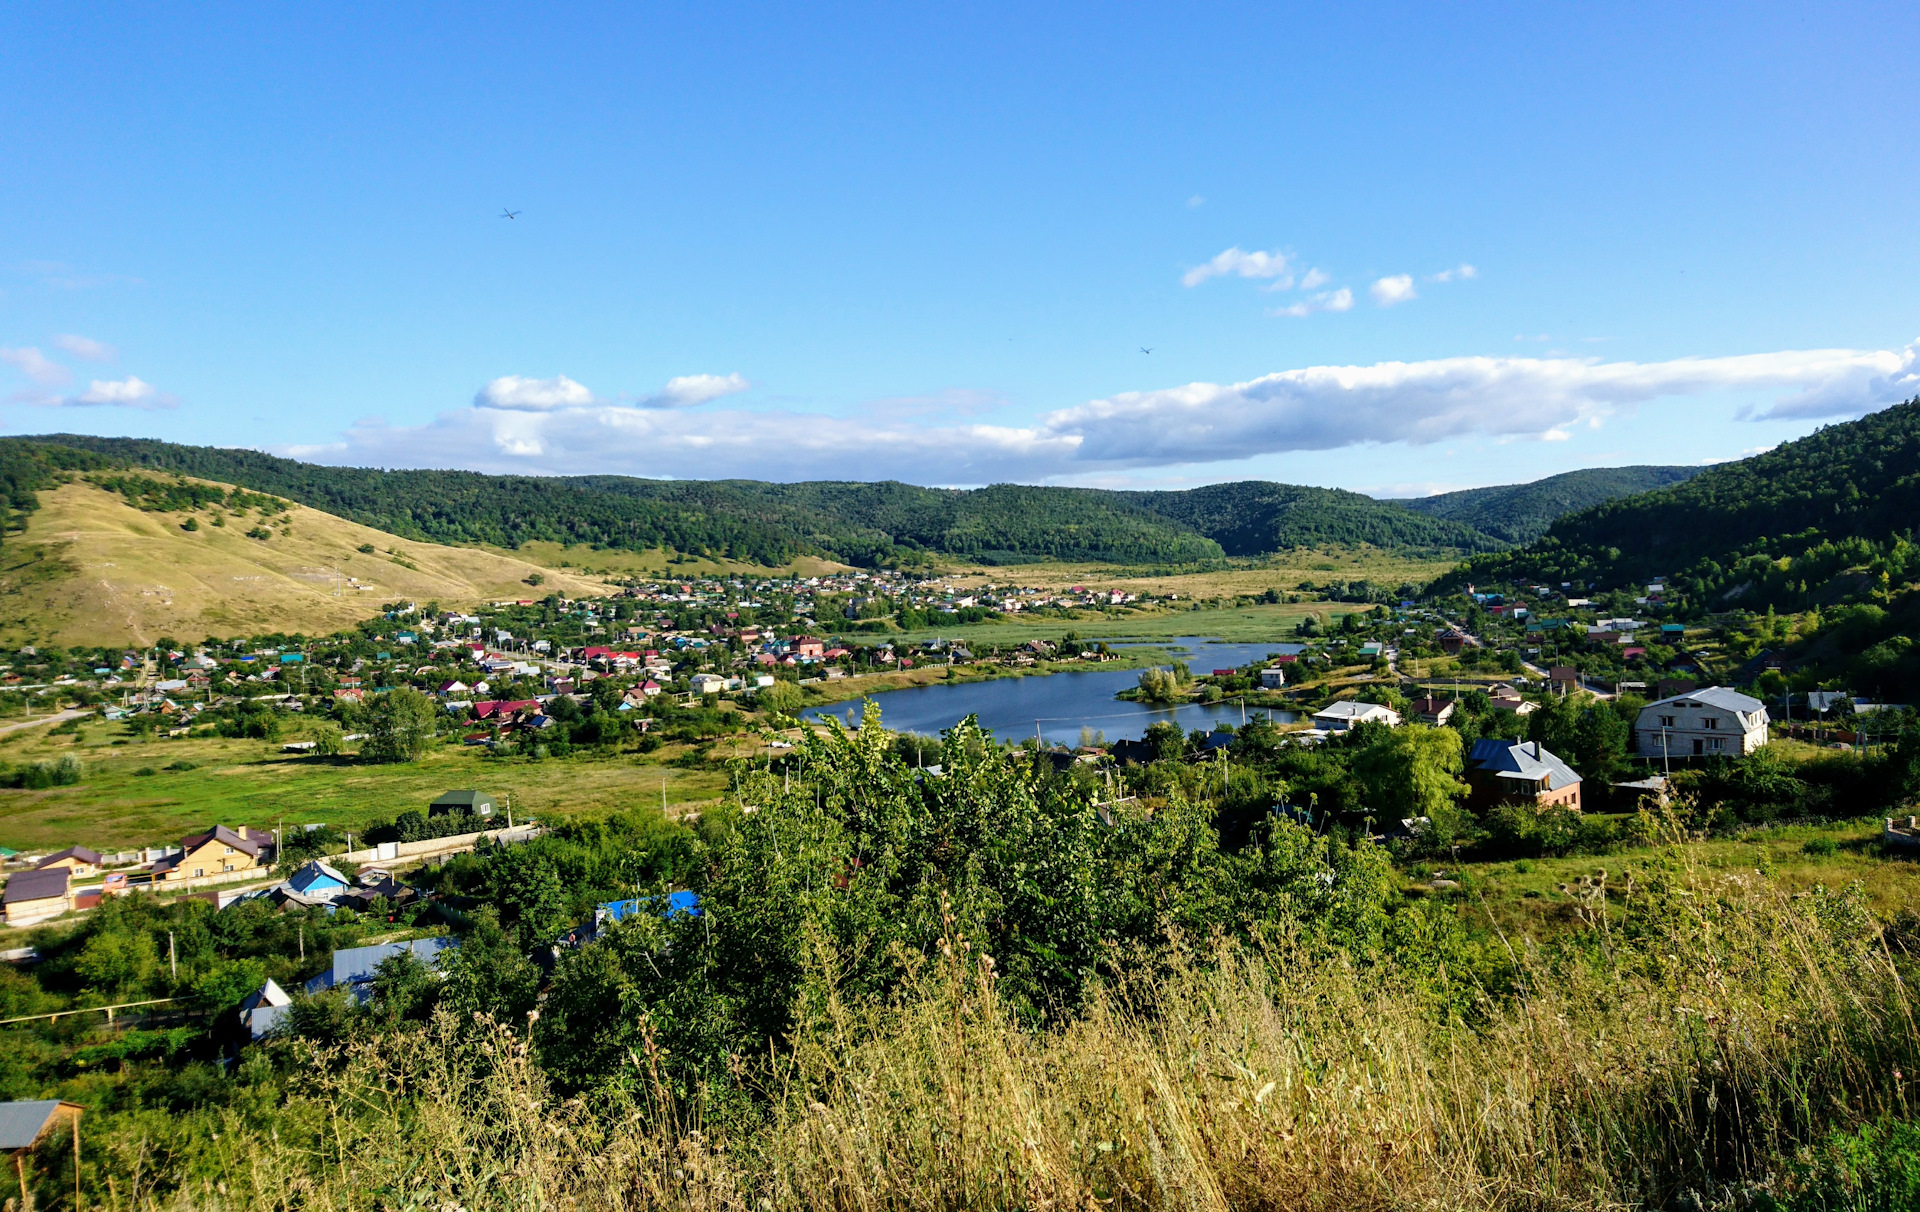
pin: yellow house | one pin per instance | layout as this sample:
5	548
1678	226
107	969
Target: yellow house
216	852
81	861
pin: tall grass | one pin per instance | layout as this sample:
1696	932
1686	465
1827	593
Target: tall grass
1703	1030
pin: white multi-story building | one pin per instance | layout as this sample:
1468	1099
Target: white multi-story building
1715	722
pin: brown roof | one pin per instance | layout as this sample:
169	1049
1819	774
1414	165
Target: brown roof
226	837
89	857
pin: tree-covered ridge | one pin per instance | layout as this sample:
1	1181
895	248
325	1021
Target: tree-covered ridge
860	523
1779	523
1255	516
1521	513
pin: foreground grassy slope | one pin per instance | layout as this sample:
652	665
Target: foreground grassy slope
91	569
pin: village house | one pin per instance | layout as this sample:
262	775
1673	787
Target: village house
1702	723
1273	679
1345	714
215	852
79	860
1432	711
34	896
1506	772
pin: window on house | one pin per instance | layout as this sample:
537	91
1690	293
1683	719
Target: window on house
1709	723
1666	721
229	850
199	871
1714	745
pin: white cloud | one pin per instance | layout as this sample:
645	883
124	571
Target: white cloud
517	394
1315	278
1331	300
87	348
1307	409
686	391
1462	271
35	365
130	392
1237	261
1196	201
1391	290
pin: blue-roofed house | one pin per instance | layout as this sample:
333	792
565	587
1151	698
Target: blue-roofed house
319	880
353	967
683	903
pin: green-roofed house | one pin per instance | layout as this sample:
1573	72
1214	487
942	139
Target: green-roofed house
472	803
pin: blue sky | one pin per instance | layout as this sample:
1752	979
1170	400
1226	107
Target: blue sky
930	242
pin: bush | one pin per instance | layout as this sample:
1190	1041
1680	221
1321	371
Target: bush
1821	846
65	772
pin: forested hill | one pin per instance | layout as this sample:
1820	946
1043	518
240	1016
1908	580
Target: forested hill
1770	528
1521	513
1255	516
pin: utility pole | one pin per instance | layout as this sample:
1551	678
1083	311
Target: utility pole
173	959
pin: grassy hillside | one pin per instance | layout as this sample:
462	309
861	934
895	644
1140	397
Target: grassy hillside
1773	529
1257	516
90	568
1521	513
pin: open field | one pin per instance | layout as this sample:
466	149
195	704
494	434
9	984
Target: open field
582	560
91	569
1246	623
243	782
1283	571
1528	898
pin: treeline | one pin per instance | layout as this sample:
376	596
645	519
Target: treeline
1253	517
27	466
1733	534
1521	513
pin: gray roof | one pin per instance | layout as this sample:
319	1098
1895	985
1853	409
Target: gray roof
1528	761
22	1123
36	885
1349	709
1715	696
355	965
466	799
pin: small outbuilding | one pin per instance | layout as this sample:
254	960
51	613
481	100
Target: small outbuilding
471	803
23	1125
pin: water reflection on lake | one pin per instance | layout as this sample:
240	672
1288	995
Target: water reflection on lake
1059	705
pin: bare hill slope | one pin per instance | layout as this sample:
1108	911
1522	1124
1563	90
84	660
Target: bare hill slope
93	569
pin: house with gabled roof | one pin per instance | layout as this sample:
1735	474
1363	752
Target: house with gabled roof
1506	772
215	852
1715	722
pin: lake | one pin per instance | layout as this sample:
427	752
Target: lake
1059	705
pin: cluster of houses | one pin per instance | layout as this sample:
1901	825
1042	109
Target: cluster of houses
49	887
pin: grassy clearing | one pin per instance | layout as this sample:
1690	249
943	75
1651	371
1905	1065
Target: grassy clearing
241	782
582	560
1536	898
1283	571
1244	624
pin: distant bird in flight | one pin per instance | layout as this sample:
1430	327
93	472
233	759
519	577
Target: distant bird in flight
1145	350
509	214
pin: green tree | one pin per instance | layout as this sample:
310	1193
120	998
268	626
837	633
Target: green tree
399	726
1414	771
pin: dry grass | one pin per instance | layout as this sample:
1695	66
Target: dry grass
91	569
1732	1021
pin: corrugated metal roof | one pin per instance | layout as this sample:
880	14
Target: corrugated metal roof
22	1123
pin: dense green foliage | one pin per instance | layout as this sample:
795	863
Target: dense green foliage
1256	516
1819	519
1521	513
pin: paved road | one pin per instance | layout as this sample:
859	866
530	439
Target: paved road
59	717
